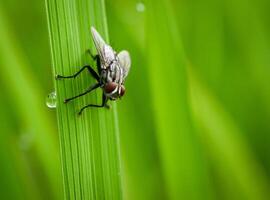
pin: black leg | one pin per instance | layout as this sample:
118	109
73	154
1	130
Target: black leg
93	73
93	87
104	104
90	69
95	58
98	64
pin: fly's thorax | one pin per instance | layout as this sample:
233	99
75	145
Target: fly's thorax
103	75
112	73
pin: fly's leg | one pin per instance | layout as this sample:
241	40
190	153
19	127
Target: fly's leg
93	87
98	63
88	67
95	58
104	104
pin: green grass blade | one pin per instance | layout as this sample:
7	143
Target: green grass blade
89	143
28	105
139	149
242	176
184	169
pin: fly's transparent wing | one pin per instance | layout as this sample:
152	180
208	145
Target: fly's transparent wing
125	62
106	53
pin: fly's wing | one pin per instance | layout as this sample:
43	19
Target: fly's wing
105	52
125	62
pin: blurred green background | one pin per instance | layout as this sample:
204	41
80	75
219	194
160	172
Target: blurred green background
194	123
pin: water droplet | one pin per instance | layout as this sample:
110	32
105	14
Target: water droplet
51	100
140	7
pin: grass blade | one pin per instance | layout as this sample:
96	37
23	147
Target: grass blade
89	143
184	170
238	167
25	96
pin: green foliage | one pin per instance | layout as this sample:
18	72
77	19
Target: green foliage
89	143
179	33
223	140
193	123
181	159
30	129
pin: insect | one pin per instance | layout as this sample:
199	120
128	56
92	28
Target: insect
113	69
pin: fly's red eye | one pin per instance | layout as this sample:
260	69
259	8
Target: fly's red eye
123	90
110	87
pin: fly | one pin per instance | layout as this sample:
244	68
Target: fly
113	69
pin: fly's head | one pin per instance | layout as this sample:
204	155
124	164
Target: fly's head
114	90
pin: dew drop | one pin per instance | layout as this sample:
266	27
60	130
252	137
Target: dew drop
51	100
140	7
